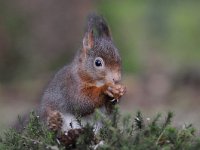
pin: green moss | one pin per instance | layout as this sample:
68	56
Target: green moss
117	133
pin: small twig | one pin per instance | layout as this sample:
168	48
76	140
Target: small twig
157	141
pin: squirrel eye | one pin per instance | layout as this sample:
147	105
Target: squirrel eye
98	62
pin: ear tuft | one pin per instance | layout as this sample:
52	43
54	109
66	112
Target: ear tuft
103	28
99	25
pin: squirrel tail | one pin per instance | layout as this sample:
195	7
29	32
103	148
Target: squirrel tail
98	25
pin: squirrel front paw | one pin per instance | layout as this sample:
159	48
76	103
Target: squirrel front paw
54	121
115	91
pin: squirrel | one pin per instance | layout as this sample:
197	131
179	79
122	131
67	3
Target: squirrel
90	81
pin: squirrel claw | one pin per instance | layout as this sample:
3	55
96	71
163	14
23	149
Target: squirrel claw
115	100
107	92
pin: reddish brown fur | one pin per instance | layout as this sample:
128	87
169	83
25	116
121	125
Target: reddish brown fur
95	94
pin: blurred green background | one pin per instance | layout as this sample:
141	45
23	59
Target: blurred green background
159	42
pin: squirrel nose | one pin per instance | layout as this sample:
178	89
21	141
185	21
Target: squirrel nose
116	78
113	77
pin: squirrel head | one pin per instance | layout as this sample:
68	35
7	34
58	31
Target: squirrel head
99	59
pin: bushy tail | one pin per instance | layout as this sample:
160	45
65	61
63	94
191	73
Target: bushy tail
98	25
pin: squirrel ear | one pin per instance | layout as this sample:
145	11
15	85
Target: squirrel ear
88	40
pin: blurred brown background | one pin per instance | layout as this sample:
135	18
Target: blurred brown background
159	42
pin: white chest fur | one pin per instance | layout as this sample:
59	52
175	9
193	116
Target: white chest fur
70	121
100	83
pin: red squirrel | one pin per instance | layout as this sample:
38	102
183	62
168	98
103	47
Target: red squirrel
90	81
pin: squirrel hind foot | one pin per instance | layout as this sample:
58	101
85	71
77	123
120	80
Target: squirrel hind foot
54	121
69	137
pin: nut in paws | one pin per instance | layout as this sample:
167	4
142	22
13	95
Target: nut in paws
115	91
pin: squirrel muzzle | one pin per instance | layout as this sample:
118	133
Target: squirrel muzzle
113	77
